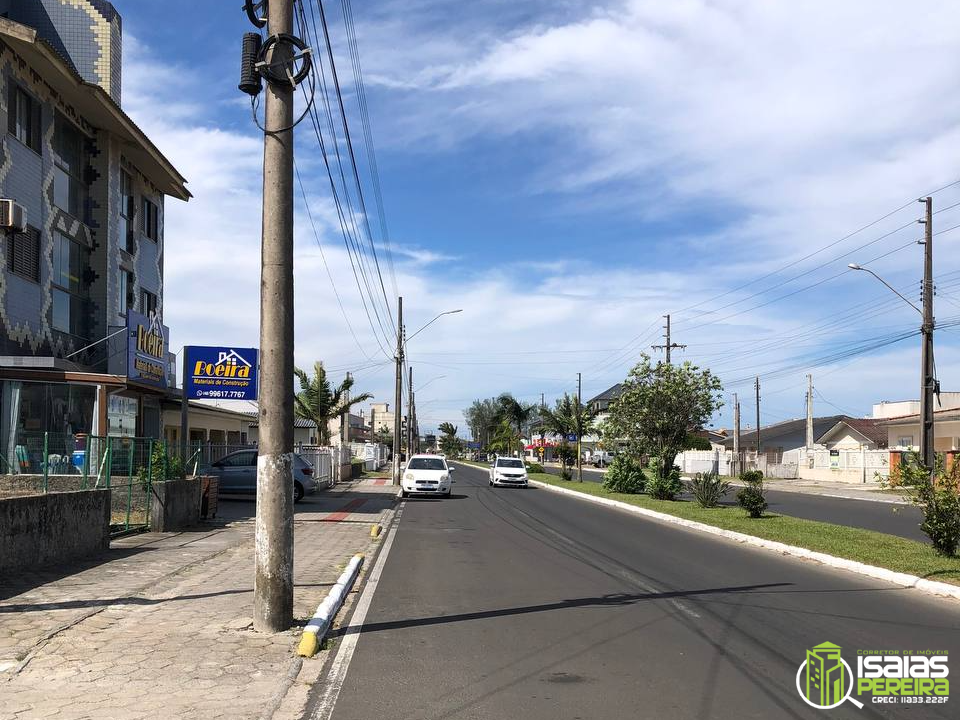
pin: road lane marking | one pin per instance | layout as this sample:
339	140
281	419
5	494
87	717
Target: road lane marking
341	663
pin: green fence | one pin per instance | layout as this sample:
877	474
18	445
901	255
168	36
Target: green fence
42	462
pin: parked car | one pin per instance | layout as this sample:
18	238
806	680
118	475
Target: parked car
237	472
601	458
508	471
426	475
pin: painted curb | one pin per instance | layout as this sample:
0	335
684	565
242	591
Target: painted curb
375	531
320	622
902	579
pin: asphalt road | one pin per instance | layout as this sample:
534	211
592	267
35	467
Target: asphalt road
890	518
507	603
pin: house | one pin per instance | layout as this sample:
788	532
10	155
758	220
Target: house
855	434
304	431
83	348
600	404
783	437
208	424
903	433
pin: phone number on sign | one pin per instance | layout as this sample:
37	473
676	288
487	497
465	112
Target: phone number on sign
226	394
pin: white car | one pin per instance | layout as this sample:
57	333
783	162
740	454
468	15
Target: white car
426	475
508	471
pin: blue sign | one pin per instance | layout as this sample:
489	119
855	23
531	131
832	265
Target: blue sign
473	445
220	373
147	346
572	437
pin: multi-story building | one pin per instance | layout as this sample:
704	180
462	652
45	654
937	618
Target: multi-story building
381	419
83	348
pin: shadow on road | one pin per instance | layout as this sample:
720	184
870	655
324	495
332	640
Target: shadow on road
615	600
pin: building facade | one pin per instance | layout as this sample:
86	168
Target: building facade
83	348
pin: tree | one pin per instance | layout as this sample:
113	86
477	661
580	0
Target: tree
568	417
659	406
449	442
318	401
483	417
504	440
518	414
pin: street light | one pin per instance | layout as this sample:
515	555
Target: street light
448	312
928	383
854	266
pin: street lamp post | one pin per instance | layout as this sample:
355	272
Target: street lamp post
928	383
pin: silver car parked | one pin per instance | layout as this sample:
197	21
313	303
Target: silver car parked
238	474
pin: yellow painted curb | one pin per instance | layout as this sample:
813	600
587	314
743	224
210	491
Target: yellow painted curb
374	531
308	645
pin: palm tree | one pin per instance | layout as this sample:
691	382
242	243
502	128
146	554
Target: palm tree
319	402
517	413
569	417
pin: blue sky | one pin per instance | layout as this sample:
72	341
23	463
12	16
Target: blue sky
567	173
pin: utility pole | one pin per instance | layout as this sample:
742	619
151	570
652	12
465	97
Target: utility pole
273	563
398	400
543	449
669	345
758	419
928	382
345	420
736	434
579	431
809	412
410	413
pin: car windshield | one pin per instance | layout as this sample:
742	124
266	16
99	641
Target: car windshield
426	464
510	463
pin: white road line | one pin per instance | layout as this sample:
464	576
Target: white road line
341	663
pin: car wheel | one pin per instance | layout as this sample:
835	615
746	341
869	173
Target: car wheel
297	492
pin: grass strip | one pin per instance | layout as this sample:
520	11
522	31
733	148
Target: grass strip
865	546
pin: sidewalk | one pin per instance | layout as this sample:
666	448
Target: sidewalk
161	626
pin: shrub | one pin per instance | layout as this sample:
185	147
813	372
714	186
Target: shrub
566	475
708	489
534	468
751	497
662	487
937	495
624	476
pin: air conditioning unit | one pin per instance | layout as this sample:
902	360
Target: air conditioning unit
13	216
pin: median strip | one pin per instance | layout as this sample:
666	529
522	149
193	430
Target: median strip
316	629
885	557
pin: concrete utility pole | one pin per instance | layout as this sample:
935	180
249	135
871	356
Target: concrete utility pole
273	564
758	419
543	449
410	413
398	400
345	420
579	431
927	380
736	432
809	412
669	345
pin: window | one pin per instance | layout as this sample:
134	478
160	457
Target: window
148	303
426	464
504	462
905	441
126	292
127	211
69	189
23	254
24	117
240	459
70	263
149	219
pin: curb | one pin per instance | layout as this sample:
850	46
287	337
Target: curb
932	587
320	622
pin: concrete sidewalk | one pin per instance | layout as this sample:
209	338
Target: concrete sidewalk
161	626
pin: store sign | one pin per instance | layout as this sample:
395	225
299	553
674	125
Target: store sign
220	373
147	350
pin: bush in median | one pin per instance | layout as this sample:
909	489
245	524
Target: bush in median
751	497
663	487
624	476
937	495
534	467
708	489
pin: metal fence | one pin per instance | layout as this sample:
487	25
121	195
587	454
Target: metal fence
43	462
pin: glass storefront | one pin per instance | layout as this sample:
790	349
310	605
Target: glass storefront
29	410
